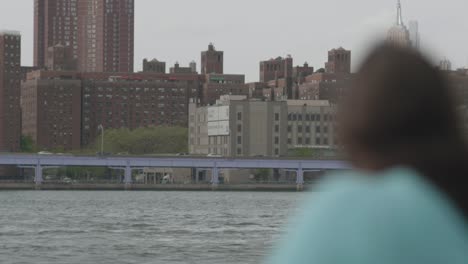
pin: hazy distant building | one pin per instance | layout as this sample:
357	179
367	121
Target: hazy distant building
301	72
325	86
55	22
399	34
339	61
445	65
193	66
178	69
414	34
154	66
106	35
212	61
10	78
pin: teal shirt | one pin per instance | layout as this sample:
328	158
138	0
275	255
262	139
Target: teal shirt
394	217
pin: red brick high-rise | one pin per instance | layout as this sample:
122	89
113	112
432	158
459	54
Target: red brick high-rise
10	78
55	22
212	61
106	35
100	33
339	61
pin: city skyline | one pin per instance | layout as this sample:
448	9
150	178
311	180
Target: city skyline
248	40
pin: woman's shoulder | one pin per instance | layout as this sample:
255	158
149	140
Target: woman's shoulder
396	200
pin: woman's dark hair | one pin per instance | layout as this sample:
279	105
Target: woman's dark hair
400	111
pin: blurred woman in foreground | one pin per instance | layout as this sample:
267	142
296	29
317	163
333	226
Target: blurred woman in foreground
407	200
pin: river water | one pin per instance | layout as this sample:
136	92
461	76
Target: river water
141	227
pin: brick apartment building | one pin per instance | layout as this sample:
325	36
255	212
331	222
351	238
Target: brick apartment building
60	58
55	22
99	33
64	109
133	102
339	61
278	73
154	65
106	35
216	85
51	112
325	86
10	78
212	61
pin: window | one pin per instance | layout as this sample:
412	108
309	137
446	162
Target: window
276	140
317	117
307	117
289	129
276	128
239	116
325	129
325	141
307	128
289	117
299	117
317	129
307	141
294	117
317	141
276	152
276	117
239	128
239	140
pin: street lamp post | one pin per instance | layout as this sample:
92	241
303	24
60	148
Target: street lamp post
101	127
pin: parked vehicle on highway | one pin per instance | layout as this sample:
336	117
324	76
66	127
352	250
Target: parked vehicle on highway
45	153
211	155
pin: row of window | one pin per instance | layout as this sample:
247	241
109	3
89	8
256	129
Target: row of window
307	129
307	141
310	117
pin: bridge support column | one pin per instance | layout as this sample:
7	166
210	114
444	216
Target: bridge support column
300	179
38	179
197	175
128	176
215	178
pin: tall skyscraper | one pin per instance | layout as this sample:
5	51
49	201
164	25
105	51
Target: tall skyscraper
212	60
106	35
339	61
10	78
399	34
414	33
55	22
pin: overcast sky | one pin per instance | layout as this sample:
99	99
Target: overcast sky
249	31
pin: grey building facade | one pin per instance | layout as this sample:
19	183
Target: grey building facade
238	127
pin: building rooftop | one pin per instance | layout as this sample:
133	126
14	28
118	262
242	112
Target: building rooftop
10	32
308	103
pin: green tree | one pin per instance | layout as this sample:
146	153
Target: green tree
143	141
27	144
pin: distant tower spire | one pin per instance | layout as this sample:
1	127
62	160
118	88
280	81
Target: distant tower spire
399	15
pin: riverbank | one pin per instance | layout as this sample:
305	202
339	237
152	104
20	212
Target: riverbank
146	187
